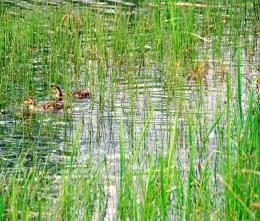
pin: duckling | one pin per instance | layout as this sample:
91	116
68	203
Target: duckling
43	107
78	94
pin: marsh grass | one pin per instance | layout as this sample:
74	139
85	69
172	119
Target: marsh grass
156	45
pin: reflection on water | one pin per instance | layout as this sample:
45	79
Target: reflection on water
108	5
47	138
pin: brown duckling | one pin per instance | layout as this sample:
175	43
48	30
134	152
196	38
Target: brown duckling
78	94
42	107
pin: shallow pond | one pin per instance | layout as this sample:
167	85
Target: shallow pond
124	86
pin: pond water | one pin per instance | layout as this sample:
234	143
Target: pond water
46	139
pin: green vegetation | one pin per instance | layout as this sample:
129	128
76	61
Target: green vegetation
172	124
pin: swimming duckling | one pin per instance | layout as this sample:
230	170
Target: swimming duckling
78	94
43	107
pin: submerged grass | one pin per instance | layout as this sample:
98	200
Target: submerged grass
197	167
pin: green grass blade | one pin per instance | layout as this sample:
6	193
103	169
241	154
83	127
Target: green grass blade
239	95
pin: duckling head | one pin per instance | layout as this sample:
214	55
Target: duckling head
58	94
28	101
